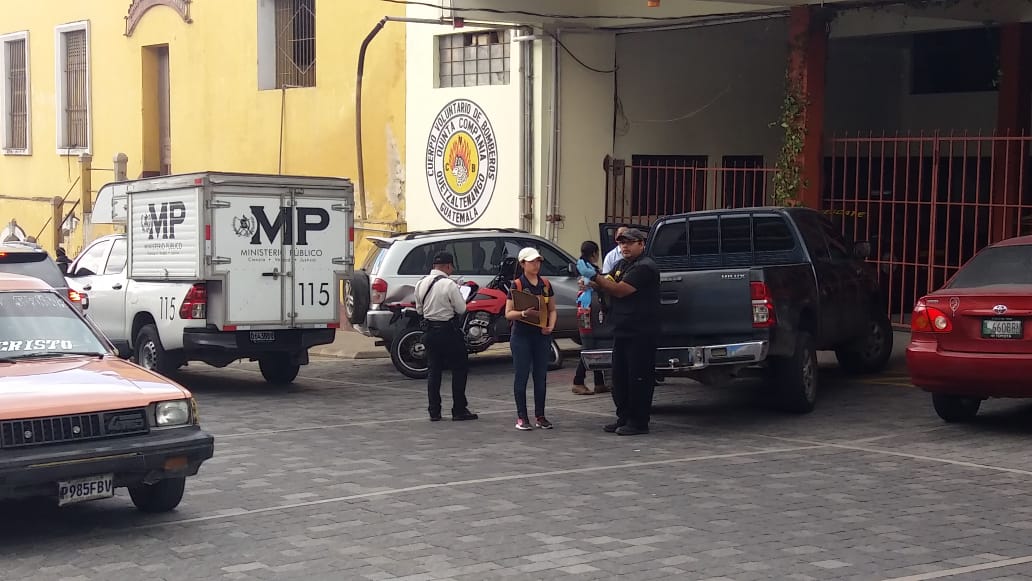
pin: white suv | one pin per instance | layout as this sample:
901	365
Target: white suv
392	270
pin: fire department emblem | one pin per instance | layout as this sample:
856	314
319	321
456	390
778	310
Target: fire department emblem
244	226
461	162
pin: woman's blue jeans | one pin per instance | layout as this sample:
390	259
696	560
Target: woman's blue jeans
530	355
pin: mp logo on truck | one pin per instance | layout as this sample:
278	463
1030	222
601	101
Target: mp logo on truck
258	223
160	221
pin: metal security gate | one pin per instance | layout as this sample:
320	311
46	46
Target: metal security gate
654	186
926	203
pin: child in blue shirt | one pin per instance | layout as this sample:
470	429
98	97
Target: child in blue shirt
589	258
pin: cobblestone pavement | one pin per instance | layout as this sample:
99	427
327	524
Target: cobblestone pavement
342	477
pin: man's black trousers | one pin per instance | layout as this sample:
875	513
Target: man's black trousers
446	349
634	371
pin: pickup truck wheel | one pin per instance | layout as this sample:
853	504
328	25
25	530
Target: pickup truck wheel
555	358
870	353
162	496
278	370
356	298
956	408
408	354
795	377
150	354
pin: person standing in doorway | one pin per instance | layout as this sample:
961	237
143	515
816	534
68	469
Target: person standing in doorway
440	303
531	344
634	316
587	309
62	260
614	256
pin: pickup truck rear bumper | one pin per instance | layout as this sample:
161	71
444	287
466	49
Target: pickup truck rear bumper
688	358
195	340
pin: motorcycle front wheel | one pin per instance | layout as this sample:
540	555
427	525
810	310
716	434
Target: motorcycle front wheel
408	354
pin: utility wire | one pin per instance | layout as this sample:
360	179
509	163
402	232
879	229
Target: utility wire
574	57
838	7
534	14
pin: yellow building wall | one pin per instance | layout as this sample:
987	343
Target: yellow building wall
220	120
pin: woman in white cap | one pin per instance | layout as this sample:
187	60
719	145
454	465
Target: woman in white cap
531	339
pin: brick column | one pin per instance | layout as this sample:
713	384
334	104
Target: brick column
1014	119
807	64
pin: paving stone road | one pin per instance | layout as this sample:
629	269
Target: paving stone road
342	477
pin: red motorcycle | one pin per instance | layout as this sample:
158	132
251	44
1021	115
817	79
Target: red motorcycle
483	325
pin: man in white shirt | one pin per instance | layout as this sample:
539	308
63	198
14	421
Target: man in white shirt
440	303
614	256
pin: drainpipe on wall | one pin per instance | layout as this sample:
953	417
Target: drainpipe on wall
527	187
552	203
453	22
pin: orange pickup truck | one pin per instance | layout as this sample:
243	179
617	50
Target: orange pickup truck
76	421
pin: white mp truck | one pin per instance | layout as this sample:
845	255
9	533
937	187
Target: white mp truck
217	267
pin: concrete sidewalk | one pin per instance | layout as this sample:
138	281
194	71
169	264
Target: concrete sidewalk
350	344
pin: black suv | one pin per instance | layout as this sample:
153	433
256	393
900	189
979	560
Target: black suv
29	259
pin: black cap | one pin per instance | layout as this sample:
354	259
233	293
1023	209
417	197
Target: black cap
443	258
631	235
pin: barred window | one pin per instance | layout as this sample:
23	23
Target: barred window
15	84
295	43
73	90
472	59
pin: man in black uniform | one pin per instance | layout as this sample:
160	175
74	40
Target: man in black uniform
633	289
440	303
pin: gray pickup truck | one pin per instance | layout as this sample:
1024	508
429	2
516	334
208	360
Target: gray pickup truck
761	288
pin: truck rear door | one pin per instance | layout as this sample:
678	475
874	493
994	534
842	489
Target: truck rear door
280	251
251	253
322	243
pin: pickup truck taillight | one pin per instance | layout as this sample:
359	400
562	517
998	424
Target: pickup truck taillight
762	305
195	303
929	319
379	291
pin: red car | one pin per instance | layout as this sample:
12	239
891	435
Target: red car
970	340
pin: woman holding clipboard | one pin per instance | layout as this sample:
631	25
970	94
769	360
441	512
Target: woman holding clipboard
531	309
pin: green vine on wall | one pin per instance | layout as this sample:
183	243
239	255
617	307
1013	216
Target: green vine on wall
788	179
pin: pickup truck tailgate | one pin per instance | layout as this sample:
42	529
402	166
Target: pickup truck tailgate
705	306
706	317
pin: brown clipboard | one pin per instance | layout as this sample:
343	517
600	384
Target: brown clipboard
523	300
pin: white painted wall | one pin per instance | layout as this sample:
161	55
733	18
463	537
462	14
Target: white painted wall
702	91
500	104
586	114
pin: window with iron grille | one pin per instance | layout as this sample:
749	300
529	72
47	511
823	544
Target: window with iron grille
73	88
14	82
472	59
286	44
668	184
295	43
